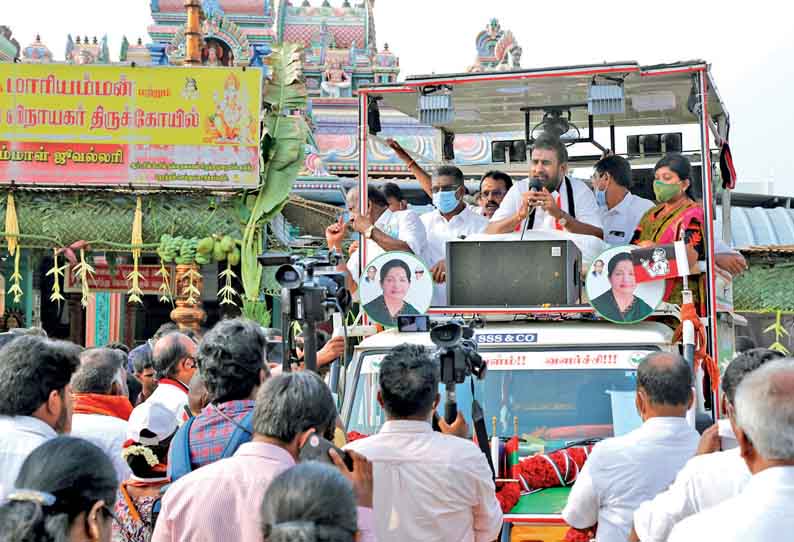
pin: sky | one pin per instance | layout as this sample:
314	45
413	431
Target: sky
750	47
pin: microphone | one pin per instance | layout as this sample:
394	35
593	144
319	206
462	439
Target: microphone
535	185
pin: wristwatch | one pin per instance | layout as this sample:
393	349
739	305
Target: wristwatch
368	233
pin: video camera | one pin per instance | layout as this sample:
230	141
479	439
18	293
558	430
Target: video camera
457	357
311	291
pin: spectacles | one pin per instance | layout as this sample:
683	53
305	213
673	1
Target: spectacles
437	189
494	193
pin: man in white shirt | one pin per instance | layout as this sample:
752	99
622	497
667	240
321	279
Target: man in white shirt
621	210
764	423
388	230
35	399
428	486
709	478
556	202
451	219
624	471
174	361
101	409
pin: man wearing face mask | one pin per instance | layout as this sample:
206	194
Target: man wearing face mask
621	210
452	219
560	203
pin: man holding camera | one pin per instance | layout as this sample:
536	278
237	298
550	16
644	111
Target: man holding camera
429	486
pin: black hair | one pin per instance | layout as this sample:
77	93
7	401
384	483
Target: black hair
549	143
75	472
744	343
681	166
165	358
742	365
142	361
617	167
393	264
408	381
615	260
451	171
31	368
376	197
118	346
311	502
497	175
95	376
163	330
666	378
392	190
230	358
291	403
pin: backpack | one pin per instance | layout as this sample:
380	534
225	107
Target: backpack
179	453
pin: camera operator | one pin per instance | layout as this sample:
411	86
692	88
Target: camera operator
440	486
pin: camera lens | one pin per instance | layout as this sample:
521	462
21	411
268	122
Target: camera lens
290	276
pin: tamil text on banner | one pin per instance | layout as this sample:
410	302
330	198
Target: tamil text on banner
660	262
110	125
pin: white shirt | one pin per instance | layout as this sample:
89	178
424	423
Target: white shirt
440	230
624	471
108	433
19	435
584	202
762	512
173	398
403	225
428	486
705	481
621	220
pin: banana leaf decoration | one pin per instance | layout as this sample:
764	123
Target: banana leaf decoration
780	334
283	137
57	271
84	271
227	293
134	277
12	225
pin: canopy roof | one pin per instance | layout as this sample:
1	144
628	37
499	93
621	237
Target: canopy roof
492	102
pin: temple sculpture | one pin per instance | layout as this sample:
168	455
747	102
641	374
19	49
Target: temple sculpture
9	47
497	50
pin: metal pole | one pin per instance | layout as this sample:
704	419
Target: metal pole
708	211
363	180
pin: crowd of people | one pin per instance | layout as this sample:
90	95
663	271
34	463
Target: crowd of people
215	452
548	200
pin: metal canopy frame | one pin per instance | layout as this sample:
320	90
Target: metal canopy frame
709	113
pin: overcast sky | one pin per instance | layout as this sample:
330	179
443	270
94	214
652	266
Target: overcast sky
751	47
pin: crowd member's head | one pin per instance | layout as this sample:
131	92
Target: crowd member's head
149	432
36	331
395	279
100	376
118	346
108	357
672	179
549	162
741	366
174	356
310	502
744	343
64	493
143	366
493	188
448	189
34	380
376	202
232	360
764	416
408	383
664	386
290	406
611	180
198	396
395	198
162	331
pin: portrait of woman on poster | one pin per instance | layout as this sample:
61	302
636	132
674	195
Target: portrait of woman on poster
620	303
395	281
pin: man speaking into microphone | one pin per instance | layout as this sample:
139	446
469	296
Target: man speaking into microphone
549	199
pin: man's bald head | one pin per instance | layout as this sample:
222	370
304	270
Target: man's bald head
169	353
666	379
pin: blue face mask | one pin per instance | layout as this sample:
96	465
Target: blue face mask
445	202
601	198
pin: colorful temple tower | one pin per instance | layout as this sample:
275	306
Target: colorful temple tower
9	47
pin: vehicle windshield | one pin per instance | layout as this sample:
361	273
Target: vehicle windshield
550	408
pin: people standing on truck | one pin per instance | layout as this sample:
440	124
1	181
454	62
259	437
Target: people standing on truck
621	210
429	486
395	198
764	423
620	303
714	475
451	219
388	231
625	471
560	203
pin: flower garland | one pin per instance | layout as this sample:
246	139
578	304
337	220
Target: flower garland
144	451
